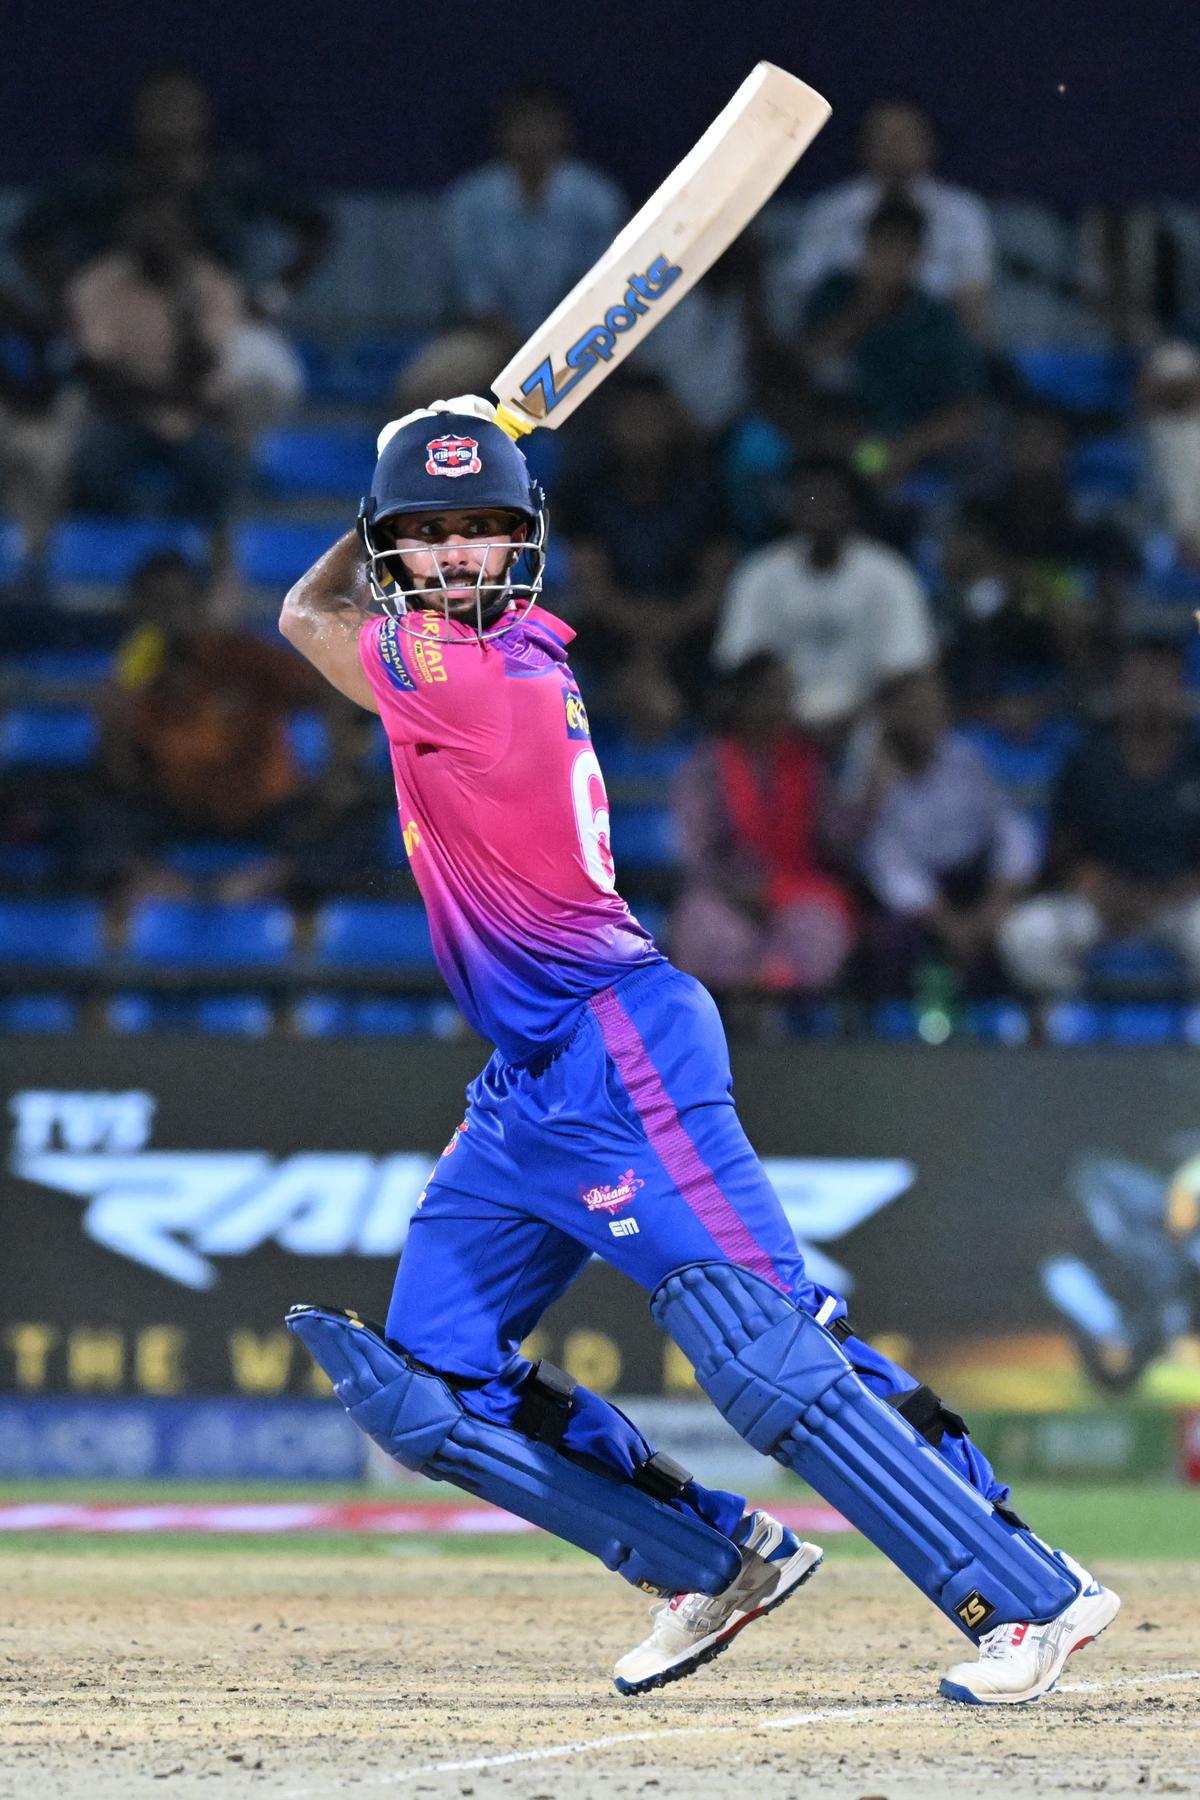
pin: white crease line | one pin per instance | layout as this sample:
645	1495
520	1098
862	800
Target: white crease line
768	1722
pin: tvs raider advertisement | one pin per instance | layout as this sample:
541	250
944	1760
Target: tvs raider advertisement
1022	1227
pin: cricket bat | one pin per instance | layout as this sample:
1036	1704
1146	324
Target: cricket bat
663	251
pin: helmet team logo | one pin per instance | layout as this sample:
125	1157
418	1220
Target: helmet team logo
609	1199
452	456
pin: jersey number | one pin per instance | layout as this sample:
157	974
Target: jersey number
591	820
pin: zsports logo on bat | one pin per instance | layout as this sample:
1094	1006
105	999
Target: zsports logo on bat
599	341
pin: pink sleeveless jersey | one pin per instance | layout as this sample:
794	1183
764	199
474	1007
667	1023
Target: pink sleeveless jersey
505	821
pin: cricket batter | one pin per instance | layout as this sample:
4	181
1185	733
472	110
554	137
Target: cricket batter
604	1124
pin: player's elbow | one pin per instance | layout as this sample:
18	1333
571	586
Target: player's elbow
291	617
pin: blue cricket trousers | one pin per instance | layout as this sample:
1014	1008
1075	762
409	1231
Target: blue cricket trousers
622	1142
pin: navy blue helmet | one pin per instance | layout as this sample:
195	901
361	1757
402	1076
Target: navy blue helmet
441	462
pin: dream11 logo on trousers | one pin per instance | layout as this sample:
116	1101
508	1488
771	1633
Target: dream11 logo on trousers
179	1211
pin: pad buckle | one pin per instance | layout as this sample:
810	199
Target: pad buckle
661	1476
545	1408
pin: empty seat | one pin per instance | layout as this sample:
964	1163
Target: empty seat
1105	468
192	932
317	461
997	1021
38	1013
327	1015
1135	963
645	837
243	1015
108	551
207	859
362	934
47	737
275	554
1079	379
1074	1022
63	933
309	739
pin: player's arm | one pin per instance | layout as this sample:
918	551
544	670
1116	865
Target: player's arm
324	614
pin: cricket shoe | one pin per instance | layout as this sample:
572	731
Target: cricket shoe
1022	1661
693	1628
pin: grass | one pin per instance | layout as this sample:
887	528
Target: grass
1113	1520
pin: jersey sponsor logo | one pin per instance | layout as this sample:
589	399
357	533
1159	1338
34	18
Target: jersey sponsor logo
457	1133
547	386
452	456
412	837
431	664
610	1199
181	1212
577	719
390	655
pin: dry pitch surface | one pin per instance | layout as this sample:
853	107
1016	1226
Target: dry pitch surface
168	1671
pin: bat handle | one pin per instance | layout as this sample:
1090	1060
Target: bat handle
512	422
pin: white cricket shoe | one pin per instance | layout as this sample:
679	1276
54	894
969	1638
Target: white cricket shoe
693	1628
1020	1662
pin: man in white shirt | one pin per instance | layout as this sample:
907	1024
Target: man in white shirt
844	612
521	230
898	154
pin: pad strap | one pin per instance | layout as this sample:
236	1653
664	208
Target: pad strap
545	1404
927	1414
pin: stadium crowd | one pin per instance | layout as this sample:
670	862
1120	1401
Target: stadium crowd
884	622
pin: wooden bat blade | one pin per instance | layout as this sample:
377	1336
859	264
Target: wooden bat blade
665	248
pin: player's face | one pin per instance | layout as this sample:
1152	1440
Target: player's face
449	555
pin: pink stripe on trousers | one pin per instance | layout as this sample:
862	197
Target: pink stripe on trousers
671	1143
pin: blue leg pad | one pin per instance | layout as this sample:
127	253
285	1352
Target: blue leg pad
418	1418
782	1381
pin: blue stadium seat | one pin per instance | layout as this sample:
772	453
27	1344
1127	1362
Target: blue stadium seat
317	461
207	859
1080	380
1074	1022
359	372
40	1013
308	735
1144	1022
1105	468
23	865
1135	961
47	737
325	1015
997	1021
109	550
193	932
230	1015
817	1020
1164	577
652	917
631	764
70	668
895	1022
645	837
360	934
50	933
274	554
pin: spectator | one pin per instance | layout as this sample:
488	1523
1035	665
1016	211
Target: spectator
256	224
843	612
757	905
1033	512
1170	407
996	613
195	742
900	354
648	557
522	229
39	418
1126	834
707	350
898	153
153	323
944	855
